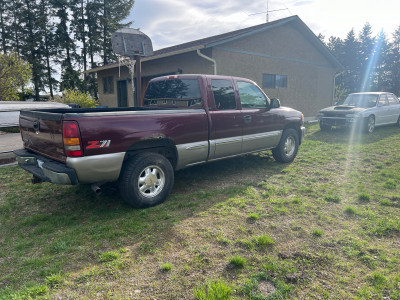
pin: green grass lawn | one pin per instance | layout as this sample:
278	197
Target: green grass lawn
326	226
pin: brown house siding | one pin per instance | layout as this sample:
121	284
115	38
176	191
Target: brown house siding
284	47
309	75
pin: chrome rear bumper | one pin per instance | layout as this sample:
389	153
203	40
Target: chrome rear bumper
45	169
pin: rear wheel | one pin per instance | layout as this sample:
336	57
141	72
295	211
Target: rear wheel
288	146
324	127
370	125
398	122
146	180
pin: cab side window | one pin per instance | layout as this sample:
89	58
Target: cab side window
250	95
224	95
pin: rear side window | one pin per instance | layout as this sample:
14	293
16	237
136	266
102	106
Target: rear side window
250	95
174	93
224	95
392	100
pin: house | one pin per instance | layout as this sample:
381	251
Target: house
284	57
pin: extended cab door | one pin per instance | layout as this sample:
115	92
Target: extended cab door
260	126
226	121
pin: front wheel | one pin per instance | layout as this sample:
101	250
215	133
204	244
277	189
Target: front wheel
288	146
370	125
324	127
146	180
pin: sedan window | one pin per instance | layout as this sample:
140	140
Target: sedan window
383	101
361	100
392	100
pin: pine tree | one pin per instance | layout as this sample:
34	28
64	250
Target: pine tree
31	40
393	62
351	61
4	25
48	46
113	13
367	58
381	82
66	46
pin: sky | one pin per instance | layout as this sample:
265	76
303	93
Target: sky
173	22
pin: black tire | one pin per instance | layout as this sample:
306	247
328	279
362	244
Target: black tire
370	124
146	180
324	127
398	122
288	146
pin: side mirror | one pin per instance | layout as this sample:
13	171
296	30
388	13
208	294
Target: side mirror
275	103
335	103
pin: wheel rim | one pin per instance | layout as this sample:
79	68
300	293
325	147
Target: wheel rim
151	181
371	124
290	146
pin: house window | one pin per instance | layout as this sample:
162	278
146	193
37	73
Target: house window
273	81
108	85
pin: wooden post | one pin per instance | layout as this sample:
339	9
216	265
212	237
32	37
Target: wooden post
138	74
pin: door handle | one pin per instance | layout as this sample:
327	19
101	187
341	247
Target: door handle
247	118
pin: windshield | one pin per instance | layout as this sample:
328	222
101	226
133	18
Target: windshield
174	93
361	100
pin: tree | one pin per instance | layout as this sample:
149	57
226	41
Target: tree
113	12
367	57
393	62
14	75
31	41
350	59
4	25
381	50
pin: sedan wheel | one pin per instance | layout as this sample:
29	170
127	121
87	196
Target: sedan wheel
370	124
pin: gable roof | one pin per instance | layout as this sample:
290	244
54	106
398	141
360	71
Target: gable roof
237	34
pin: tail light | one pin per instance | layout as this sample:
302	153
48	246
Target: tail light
72	139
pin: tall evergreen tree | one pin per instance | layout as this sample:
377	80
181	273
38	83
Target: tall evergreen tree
48	46
112	14
367	58
351	61
4	25
381	50
393	62
31	42
66	46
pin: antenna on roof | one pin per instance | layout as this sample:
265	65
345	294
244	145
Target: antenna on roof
268	11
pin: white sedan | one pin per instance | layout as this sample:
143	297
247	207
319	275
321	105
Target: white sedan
364	110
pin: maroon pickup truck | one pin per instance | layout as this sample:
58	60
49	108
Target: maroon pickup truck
186	120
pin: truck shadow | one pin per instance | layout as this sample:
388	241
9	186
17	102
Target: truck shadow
62	221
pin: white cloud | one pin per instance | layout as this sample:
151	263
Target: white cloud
174	21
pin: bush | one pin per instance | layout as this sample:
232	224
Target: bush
84	100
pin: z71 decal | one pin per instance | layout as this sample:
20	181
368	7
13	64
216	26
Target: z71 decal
98	144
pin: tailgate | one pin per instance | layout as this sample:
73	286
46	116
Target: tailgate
42	133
